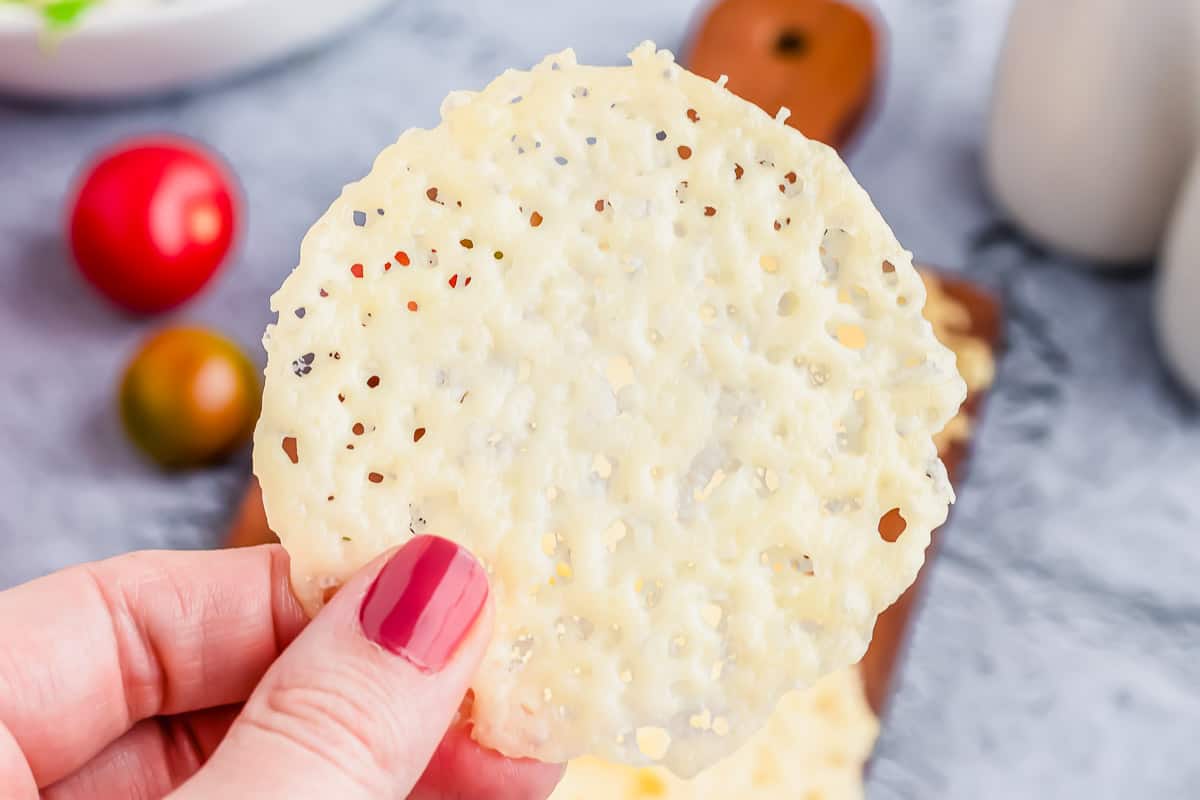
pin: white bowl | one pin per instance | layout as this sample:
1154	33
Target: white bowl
122	51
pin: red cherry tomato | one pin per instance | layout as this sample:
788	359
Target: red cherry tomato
152	221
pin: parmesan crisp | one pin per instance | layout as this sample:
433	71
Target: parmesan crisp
656	360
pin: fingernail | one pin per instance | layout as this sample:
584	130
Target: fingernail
424	601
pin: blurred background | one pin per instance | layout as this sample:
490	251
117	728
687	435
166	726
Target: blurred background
1055	652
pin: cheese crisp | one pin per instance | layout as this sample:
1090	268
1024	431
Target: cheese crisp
814	747
656	360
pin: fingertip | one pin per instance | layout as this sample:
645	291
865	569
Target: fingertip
461	767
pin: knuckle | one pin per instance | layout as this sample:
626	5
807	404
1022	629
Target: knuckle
342	716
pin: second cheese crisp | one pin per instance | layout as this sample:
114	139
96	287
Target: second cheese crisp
656	360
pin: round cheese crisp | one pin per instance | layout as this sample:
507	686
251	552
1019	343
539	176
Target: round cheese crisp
814	747
656	360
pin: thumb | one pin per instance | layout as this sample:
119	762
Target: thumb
358	703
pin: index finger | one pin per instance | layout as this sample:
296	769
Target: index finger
94	649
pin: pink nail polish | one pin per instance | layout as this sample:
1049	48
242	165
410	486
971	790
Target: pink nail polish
424	601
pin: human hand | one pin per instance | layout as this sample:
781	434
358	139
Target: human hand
197	672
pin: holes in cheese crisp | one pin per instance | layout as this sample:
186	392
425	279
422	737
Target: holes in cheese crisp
418	434
680	229
289	449
850	336
551	493
833	243
720	726
783	560
654	336
891	525
708	312
653	593
653	742
375	477
701	721
549	543
303	365
788	303
522	650
901	300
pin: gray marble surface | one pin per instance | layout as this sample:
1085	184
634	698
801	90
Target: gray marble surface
1057	653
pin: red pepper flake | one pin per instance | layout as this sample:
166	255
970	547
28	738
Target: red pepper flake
453	280
372	381
782	188
535	219
341	397
289	448
359	429
600	205
709	211
790	177
467	243
692	115
467	282
349	447
402	258
324	293
356	270
738	172
374	477
412	305
777	225
431	193
417	434
684	151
